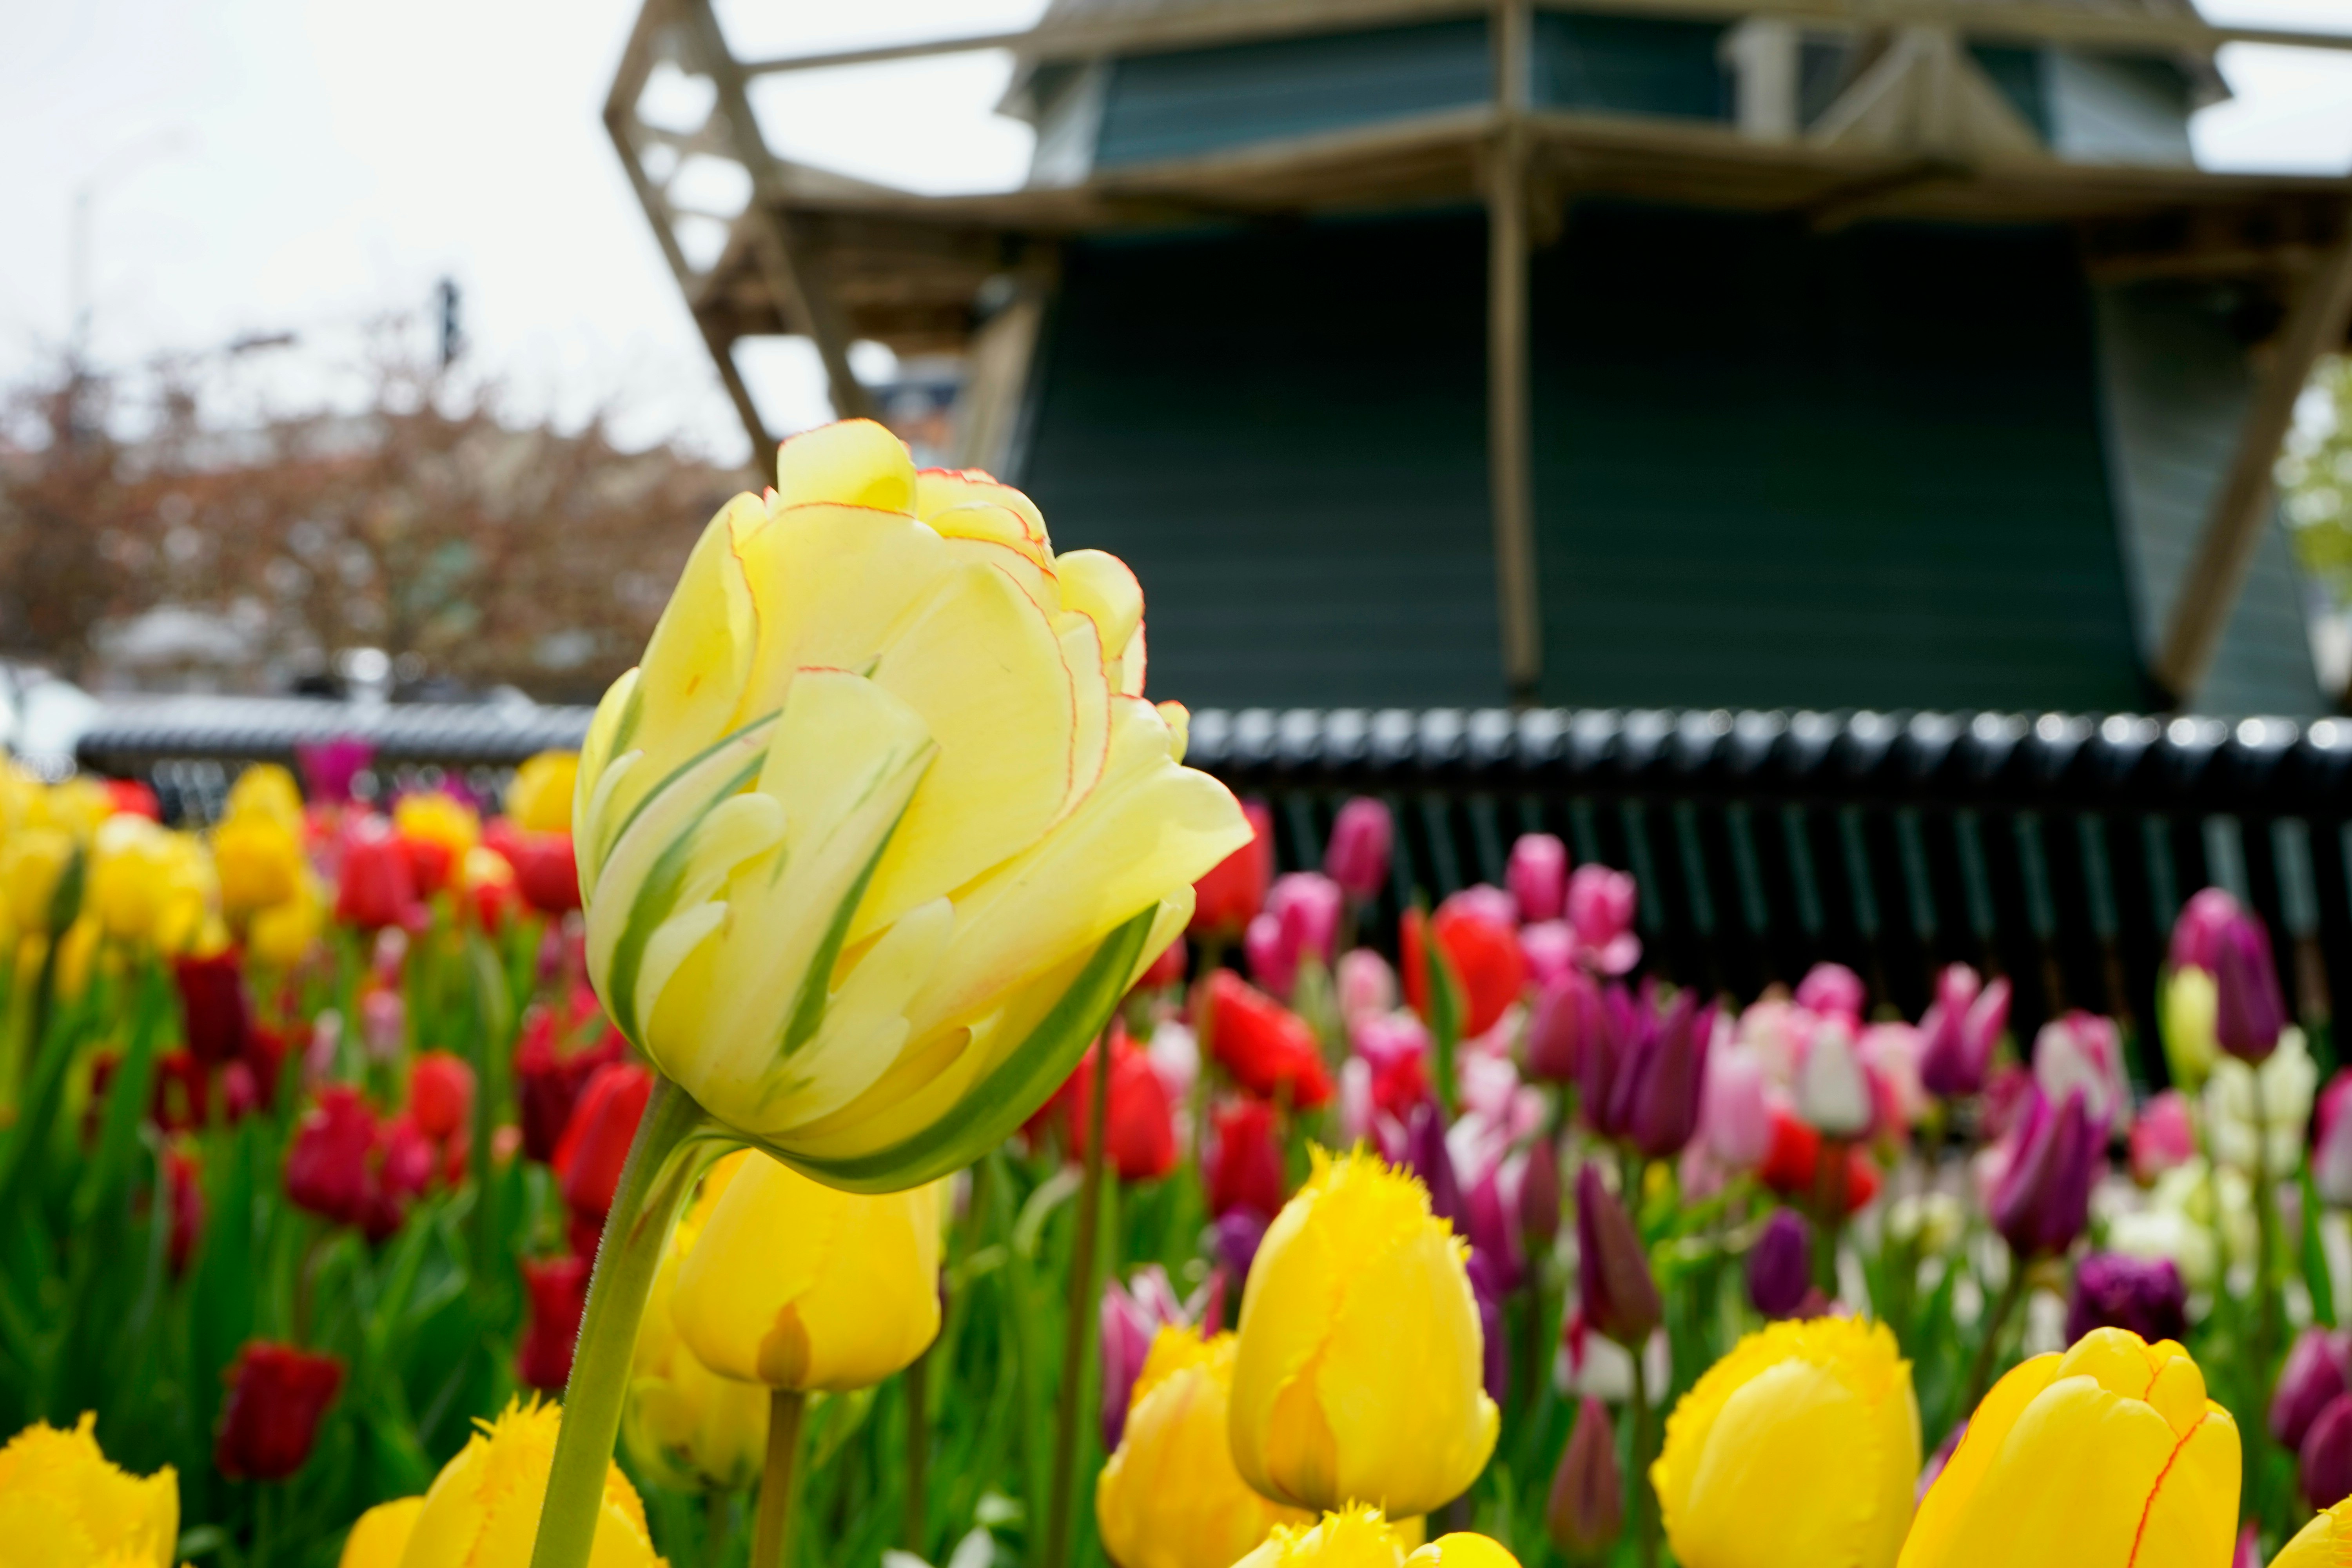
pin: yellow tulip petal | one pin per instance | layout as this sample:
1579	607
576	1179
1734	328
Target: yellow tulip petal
1463	1550
382	1534
855	462
2325	1542
938	491
1081	645
696	666
2191	1520
1100	586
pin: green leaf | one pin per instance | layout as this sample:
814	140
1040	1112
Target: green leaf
2317	1278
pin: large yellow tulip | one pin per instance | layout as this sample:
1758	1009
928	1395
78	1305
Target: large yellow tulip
380	1538
1360	1537
1358	1375
539	796
882	828
2109	1456
484	1506
800	1286
149	885
259	859
265	790
1801	1445
2325	1542
684	1425
1169	1497
62	1502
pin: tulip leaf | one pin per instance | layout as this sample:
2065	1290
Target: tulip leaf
2317	1278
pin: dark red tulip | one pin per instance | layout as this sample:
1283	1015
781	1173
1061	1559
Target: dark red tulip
1488	1286
1586	1506
596	1145
441	1095
546	874
1654	1101
215	1014
558	1288
1781	1266
1268	1047
277	1395
2044	1200
1603	1054
1492	1228
405	1158
1540	1197
1138	1124
327	1162
265	1051
2248	1011
550	1073
2146	1295
1566	1017
377	887
1617	1296
1426	1156
182	1092
2313	1377
1228	896
185	1196
240	1092
2326	1454
1243	1166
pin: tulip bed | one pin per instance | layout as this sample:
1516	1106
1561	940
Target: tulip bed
326	1172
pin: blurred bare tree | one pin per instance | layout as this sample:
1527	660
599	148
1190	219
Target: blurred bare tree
473	552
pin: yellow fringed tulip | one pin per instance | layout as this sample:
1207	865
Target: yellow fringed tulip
1360	1538
800	1286
483	1508
2325	1542
1169	1497
882	828
684	1425
2109	1456
1801	1445
1359	1375
538	797
380	1539
62	1502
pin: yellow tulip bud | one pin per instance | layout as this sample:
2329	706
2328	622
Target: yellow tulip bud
538	797
2187	1013
259	861
268	790
2109	1456
1358	1377
33	864
149	885
684	1425
1169	1497
1800	1445
1360	1538
380	1539
63	1502
881	830
802	1287
484	1506
2325	1542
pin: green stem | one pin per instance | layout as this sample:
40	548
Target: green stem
2262	1342
918	1450
2004	1307
1077	1338
1646	1511
653	1184
771	1532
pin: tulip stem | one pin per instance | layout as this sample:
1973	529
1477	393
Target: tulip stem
919	1449
2004	1307
1077	1336
772	1531
1645	1506
653	1184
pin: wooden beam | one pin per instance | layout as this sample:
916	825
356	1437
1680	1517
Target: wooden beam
2242	505
1510	421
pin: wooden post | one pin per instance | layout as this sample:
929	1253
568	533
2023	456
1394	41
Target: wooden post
2210	587
1508	422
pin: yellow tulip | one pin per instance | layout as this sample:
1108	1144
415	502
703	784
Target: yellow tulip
2187	1010
1169	1497
149	885
79	806
2325	1542
268	790
882	828
381	1537
2109	1456
802	1287
33	863
1360	1538
1358	1375
259	861
1800	1445
283	934
484	1506
539	798
684	1425
61	1501
439	818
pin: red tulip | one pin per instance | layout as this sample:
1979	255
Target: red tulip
129	797
1268	1047
182	1092
1164	970
1484	953
550	1075
441	1095
558	1288
596	1145
545	873
406	1159
327	1163
1229	895
240	1092
1243	1163
213	1013
270	1422
185	1196
265	1056
1138	1124
377	887
1792	1167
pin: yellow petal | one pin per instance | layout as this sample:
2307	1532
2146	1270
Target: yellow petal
1099	586
855	462
381	1536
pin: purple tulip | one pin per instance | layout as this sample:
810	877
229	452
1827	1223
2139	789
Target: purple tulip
1586	1506
1358	856
1961	1027
1616	1295
2197	934
1655	1102
2143	1295
1239	1233
1539	1196
1567	1016
1425	1156
330	767
2326	1454
1538	876
1493	1229
1487	1289
2312	1378
2248	1012
1833	990
1781	1266
1604	1051
2042	1200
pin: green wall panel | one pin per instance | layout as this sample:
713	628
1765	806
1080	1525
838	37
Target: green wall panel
1630	65
1283	430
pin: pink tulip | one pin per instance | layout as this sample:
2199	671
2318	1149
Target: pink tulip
1365	982
1734	1115
2197	934
1601	905
2082	1050
2331	1153
2164	1136
1833	990
1358	856
1549	949
1890	1052
1300	919
1538	876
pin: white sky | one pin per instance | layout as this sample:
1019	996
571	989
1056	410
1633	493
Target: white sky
262	165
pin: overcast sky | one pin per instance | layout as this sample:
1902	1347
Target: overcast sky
267	165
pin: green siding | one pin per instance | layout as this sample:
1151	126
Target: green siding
2020	76
1283	430
1777	468
1197	100
1630	65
